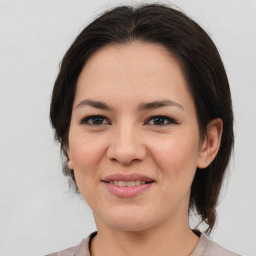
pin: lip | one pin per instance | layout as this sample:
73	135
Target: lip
127	192
127	177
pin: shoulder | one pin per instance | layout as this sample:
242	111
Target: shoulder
67	252
80	250
207	247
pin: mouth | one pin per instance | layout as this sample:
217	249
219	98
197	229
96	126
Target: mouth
132	183
127	185
128	180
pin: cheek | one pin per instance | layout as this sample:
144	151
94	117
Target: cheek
86	152
177	156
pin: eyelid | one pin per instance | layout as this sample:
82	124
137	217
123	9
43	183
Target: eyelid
106	121
84	120
169	119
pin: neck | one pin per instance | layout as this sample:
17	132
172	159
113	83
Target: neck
174	238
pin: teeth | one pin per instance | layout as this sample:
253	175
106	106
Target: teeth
130	183
122	183
137	182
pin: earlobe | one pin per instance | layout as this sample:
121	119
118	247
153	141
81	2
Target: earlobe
70	164
210	145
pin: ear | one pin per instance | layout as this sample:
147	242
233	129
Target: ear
70	164
211	143
70	161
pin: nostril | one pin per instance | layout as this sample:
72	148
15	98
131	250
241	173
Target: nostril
126	150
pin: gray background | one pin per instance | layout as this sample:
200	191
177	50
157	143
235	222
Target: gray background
38	215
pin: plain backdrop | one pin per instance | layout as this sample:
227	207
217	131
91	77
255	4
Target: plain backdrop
38	214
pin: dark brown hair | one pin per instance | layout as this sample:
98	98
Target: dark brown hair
202	67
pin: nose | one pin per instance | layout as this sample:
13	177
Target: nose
126	145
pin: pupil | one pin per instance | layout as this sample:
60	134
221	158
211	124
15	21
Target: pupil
97	120
158	121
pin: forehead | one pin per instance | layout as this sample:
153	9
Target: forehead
136	70
133	59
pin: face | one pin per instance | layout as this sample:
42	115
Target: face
134	141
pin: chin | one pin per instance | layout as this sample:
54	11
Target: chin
130	221
131	226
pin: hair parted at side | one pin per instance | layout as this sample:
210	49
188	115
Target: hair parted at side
202	68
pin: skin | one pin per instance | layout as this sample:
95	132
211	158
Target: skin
128	140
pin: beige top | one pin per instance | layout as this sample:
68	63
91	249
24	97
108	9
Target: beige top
205	247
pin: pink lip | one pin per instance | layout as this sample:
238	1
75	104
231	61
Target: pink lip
127	191
128	177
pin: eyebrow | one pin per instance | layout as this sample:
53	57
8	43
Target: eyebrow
95	104
142	107
158	104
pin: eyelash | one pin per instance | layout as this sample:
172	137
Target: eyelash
86	120
169	120
165	118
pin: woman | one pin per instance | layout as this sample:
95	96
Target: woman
143	112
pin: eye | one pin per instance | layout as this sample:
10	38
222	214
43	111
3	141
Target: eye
94	120
161	120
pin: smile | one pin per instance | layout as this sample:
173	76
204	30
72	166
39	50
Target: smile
132	183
